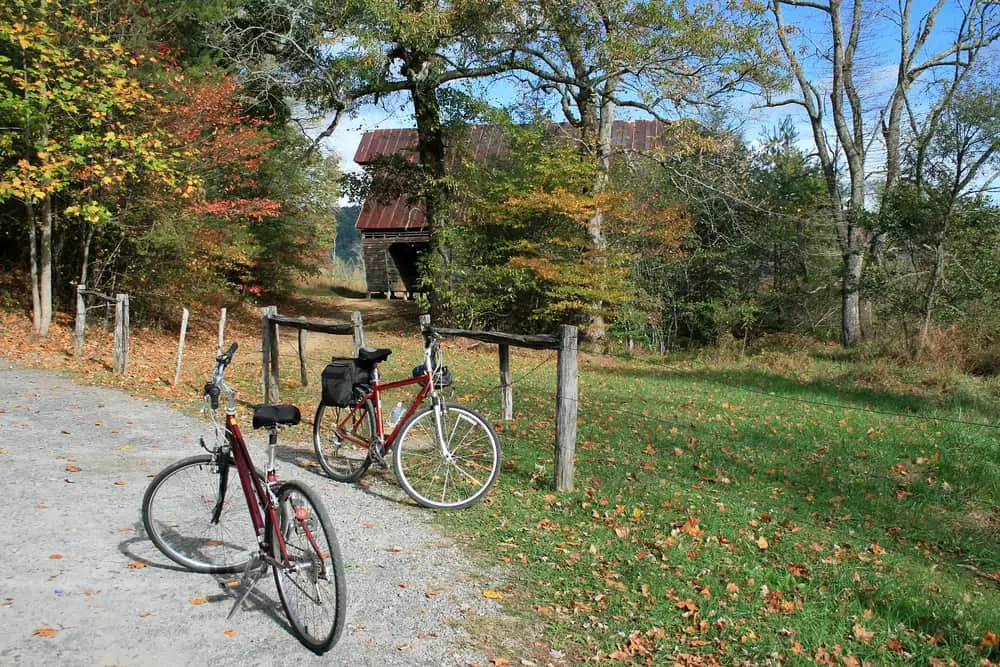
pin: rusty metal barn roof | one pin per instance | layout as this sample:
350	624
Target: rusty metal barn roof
484	142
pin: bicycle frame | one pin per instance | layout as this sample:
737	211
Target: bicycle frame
375	395
259	495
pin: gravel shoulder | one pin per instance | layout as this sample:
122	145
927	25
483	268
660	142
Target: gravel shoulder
77	566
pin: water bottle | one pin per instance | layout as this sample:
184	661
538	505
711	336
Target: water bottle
396	414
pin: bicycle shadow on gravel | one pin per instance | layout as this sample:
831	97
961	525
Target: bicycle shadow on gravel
126	548
257	601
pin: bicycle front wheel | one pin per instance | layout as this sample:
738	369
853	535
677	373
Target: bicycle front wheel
195	512
339	450
311	584
451	471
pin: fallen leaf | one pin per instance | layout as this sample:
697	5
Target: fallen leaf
72	468
120	483
499	661
44	632
41	507
404	584
230	633
67	431
55	557
395	549
403	647
145	614
369	525
3	452
136	565
762	543
861	634
492	595
201	599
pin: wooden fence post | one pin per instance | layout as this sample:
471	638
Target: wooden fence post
506	391
81	320
302	358
567	394
222	332
359	332
269	351
180	346
121	333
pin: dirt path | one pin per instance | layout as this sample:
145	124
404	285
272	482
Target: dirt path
81	585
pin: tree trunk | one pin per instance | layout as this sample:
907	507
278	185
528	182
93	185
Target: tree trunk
86	256
605	121
851	320
430	148
36	296
45	267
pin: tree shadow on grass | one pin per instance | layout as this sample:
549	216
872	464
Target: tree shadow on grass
837	392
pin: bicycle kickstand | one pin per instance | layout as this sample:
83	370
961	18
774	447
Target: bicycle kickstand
249	581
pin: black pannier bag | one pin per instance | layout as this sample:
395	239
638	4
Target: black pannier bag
340	377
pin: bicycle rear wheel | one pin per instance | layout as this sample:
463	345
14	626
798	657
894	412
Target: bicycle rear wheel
195	512
311	587
449	475
343	459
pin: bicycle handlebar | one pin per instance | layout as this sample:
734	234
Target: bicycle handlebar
227	356
218	385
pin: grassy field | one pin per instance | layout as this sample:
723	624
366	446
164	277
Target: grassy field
777	509
790	507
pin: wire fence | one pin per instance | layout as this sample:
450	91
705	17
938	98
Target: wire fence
624	411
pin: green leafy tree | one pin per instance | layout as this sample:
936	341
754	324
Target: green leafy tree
67	101
665	58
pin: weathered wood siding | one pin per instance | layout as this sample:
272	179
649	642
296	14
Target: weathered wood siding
390	260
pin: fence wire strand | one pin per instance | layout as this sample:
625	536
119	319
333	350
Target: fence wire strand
773	395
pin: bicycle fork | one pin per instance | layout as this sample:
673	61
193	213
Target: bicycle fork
439	409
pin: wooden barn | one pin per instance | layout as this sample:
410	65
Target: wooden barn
394	235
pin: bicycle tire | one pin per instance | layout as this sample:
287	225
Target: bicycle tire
341	459
458	480
315	612
177	511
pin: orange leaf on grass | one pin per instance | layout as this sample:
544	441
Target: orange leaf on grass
861	634
492	595
762	543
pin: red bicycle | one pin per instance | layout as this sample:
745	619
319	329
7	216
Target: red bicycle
445	456
191	514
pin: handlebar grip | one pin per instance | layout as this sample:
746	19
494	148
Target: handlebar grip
227	356
212	391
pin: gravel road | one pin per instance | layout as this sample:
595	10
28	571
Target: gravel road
80	584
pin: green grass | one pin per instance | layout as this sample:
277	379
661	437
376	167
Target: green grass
733	511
